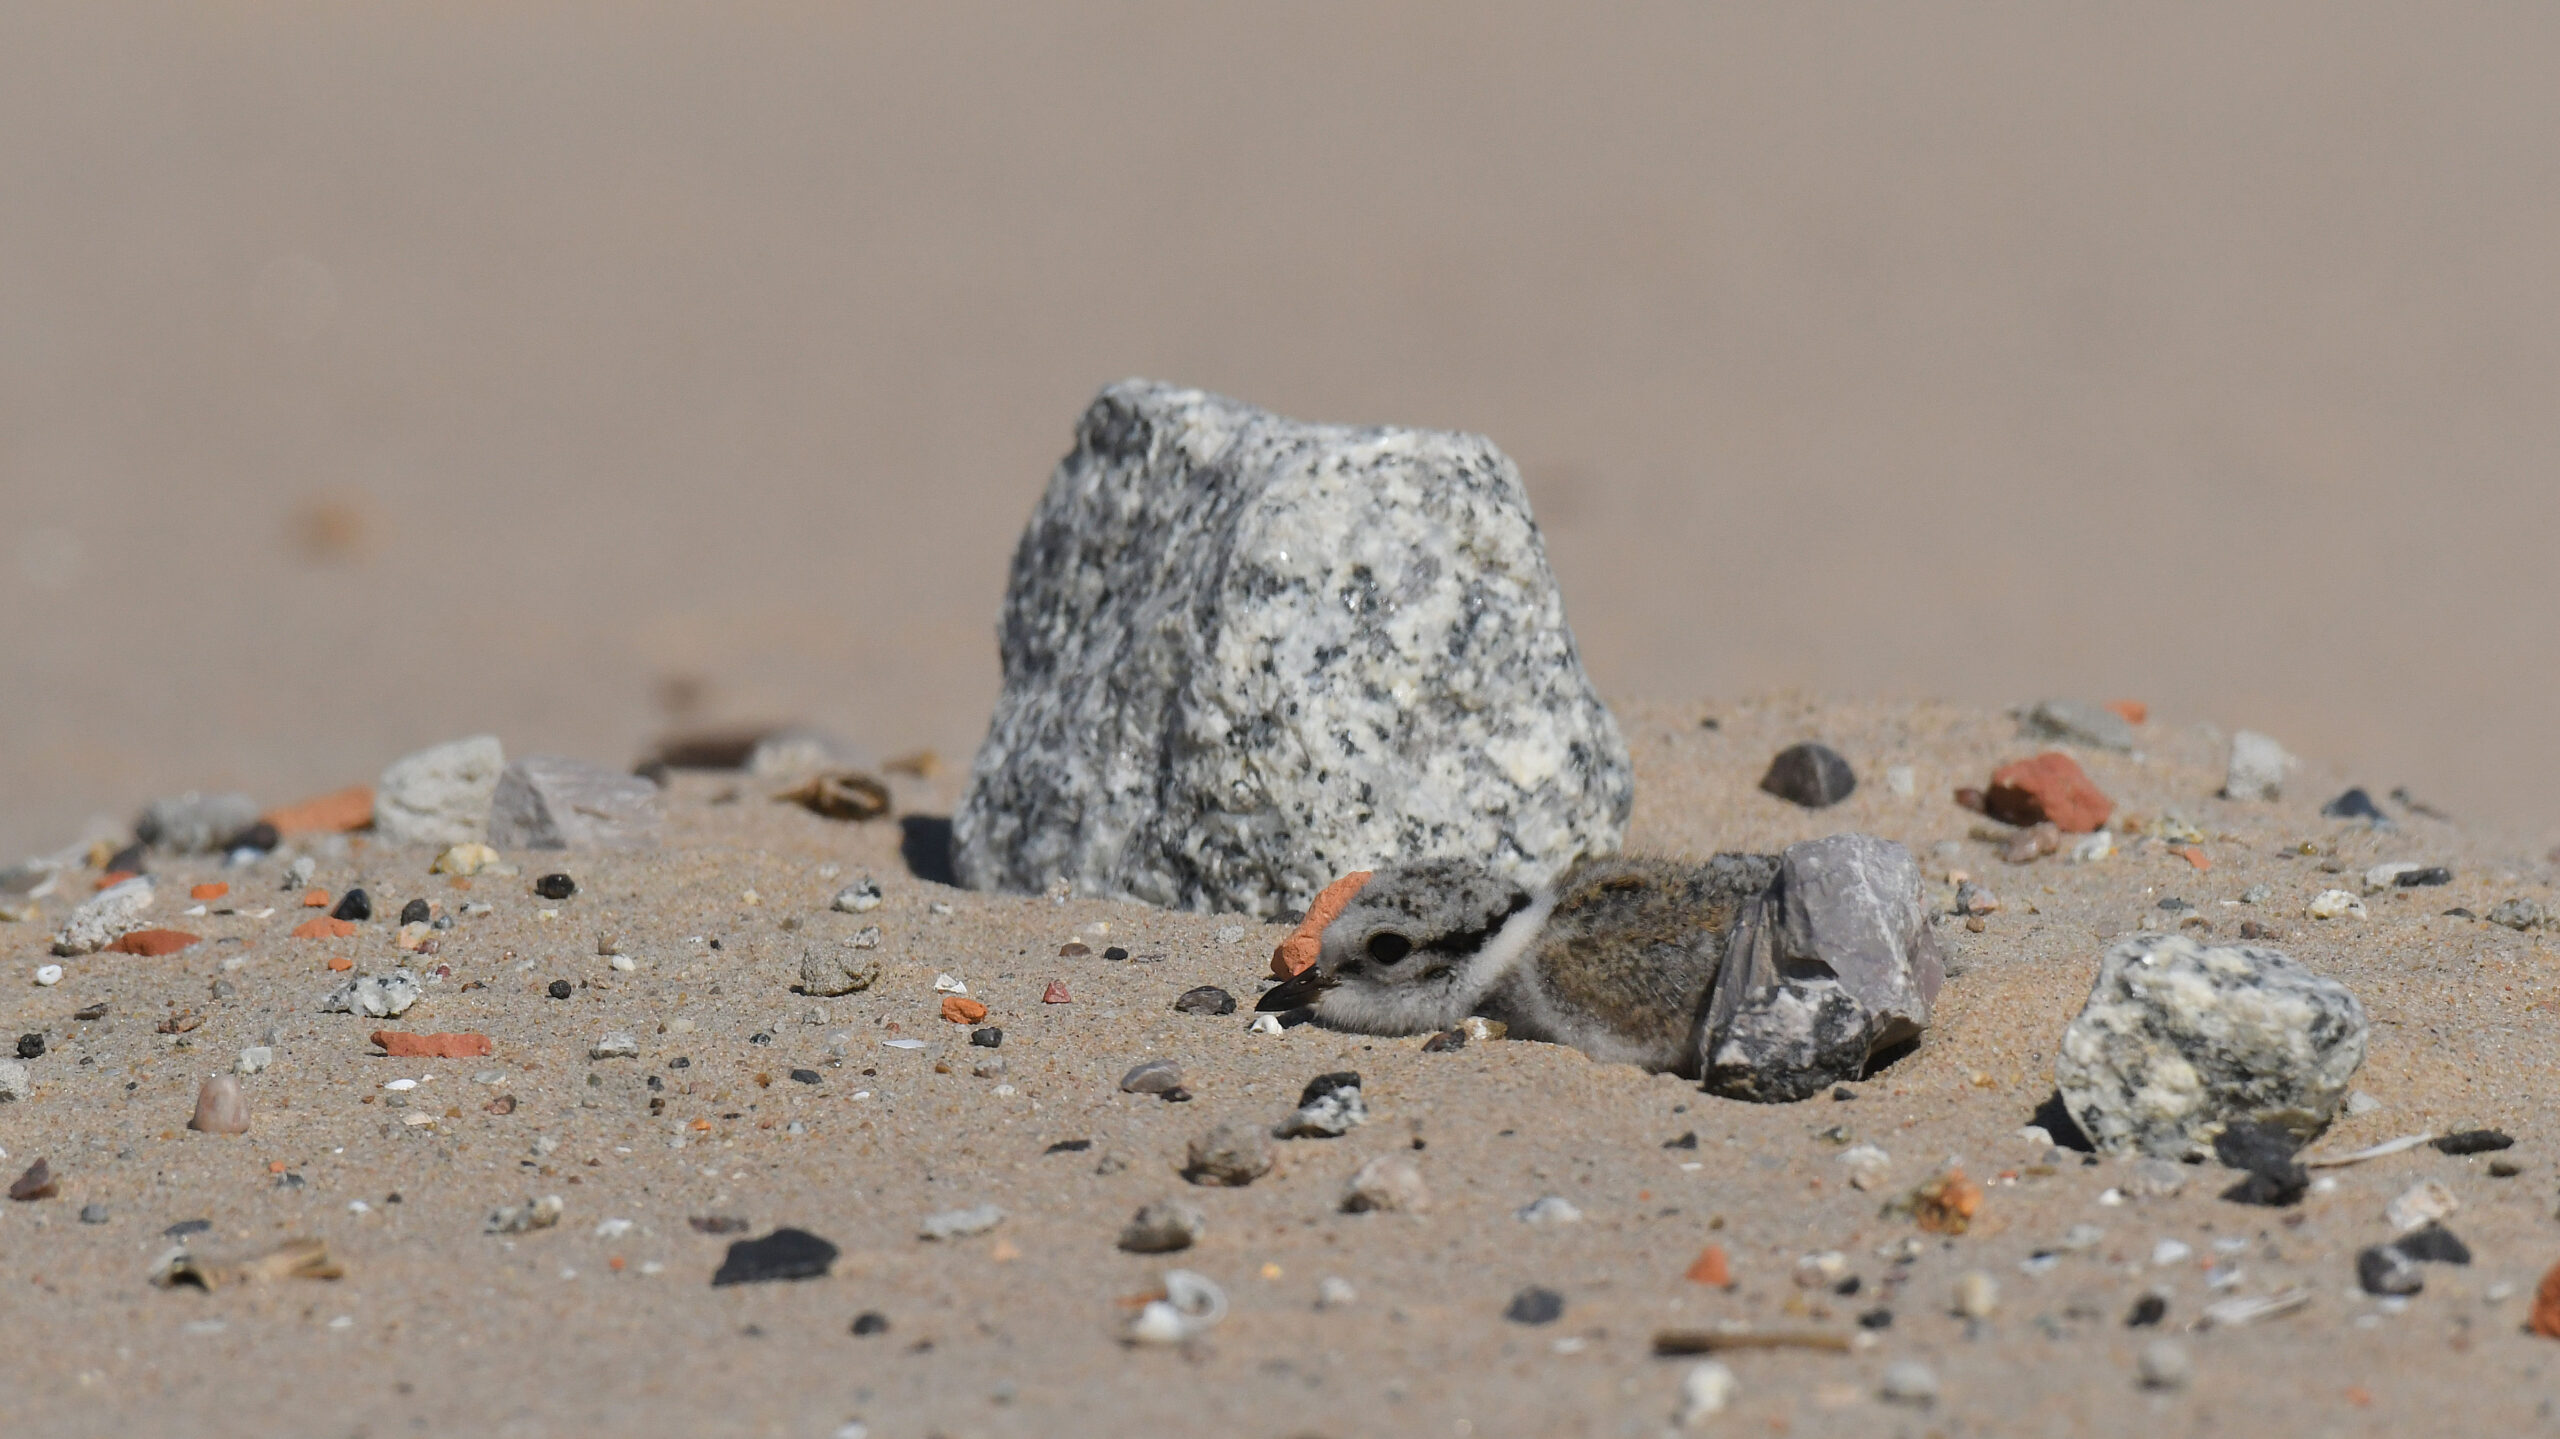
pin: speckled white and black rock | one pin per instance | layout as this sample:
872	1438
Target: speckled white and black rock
1244	655
2179	1040
1834	964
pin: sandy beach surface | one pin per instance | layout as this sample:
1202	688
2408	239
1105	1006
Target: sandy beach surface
608	1322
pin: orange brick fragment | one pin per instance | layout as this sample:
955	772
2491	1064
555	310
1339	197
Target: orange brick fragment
960	1009
2546	1305
400	1044
215	890
1946	1204
701	1126
2193	855
2133	711
1711	1267
1300	949
324	928
2051	786
1056	993
153	943
333	813
113	877
315	899
340	964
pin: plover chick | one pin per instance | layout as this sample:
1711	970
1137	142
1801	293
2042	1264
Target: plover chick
1617	958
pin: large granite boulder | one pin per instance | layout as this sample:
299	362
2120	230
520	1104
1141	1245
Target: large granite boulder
2181	1040
1243	655
1831	966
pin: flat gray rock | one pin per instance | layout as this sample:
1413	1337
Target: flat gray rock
1245	655
1834	964
194	823
439	796
2077	722
2179	1040
546	802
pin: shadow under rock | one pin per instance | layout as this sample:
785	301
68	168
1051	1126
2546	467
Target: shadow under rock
2055	1117
924	842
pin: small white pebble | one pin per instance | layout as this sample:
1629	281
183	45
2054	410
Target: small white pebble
2164	1365
401	1086
1977	1295
948	984
614	1228
1262	1023
1333	1292
2170	1251
48	974
1705	1391
343	1321
622	962
358	1206
1908	1381
1231	934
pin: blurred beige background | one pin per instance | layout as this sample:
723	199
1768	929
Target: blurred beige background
375	374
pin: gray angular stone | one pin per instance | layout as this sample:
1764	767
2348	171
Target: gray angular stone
2517	914
1833	964
1388	1183
194	823
439	796
1810	774
1328	1108
1229	1156
1163	1227
1152	1076
2257	768
547	802
2076	722
960	1223
1244	655
2179	1040
15	1082
789	753
107	916
834	969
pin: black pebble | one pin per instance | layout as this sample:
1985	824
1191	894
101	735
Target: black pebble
2432	1243
2266	1152
1115	952
1534	1305
2150	1309
415	912
561	989
783	1254
760	1037
1876	1319
261	837
655	1083
1686	1141
1324	1084
127	860
2355	804
1843	1094
990	1037
1207	999
2433	874
804	1076
354	904
2384	1270
561	886
870	1322
31	1046
2458	912
2175	905
679	1062
1069	1146
2467	1141
1848	1286
1812	775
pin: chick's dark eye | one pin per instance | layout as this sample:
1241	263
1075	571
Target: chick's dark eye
1389	947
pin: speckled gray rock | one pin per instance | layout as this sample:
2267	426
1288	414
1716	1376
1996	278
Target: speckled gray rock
1832	965
2257	767
831	969
2179	1040
107	916
1164	1227
1244	655
2076	722
15	1083
194	823
439	796
384	998
547	802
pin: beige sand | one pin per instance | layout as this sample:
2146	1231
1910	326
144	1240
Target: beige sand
1014	1332
374	375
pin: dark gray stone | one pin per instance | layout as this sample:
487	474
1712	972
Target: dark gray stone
1833	964
2383	1269
1329	1108
1535	1305
1154	1076
1207	999
194	823
1812	775
2432	1243
547	802
1244	655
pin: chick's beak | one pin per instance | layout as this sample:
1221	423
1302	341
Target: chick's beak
1299	991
